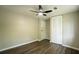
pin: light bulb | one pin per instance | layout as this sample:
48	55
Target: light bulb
40	13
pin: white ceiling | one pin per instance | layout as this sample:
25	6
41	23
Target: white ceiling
25	9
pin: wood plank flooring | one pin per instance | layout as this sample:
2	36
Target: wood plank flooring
42	47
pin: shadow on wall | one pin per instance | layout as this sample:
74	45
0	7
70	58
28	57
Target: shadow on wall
75	42
71	30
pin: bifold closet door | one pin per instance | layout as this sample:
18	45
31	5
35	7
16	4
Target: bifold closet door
56	29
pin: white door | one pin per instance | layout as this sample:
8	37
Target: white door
56	29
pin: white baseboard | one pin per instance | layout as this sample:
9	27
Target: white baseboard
75	48
34	41
17	45
55	42
71	47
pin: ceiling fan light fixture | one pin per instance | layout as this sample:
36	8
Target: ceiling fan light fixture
40	13
40	10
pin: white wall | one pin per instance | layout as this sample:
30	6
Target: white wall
42	28
17	29
48	29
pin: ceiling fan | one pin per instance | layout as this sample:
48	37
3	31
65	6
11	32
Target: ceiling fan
41	11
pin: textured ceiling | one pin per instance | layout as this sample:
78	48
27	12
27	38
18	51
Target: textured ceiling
25	9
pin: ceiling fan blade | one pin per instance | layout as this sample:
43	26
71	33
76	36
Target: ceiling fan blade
47	11
40	7
34	11
44	14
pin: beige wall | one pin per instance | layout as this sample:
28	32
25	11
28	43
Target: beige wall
17	29
70	29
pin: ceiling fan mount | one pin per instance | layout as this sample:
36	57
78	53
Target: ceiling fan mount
41	11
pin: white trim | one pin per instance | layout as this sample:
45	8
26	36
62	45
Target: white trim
55	42
75	48
17	45
34	41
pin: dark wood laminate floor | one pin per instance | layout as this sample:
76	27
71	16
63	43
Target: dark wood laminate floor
42	47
